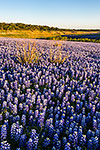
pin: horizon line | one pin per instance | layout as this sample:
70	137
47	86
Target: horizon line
83	28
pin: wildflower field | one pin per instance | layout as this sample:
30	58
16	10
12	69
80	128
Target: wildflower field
49	95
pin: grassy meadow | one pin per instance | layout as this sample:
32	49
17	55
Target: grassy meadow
20	30
39	34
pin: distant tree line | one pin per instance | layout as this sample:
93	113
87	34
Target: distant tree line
22	26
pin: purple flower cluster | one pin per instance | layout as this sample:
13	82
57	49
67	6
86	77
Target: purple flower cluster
49	105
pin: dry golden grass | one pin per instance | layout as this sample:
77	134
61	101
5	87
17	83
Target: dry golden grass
38	33
27	53
57	56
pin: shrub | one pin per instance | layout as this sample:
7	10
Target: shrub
57	56
27	53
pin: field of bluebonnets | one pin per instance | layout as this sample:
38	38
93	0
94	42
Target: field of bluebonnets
50	101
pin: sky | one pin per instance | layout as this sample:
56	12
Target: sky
70	14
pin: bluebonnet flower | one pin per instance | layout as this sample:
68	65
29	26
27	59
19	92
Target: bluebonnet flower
14	109
55	139
35	141
1	117
80	132
97	133
23	120
46	142
58	145
56	123
33	133
70	130
36	113
22	140
95	142
4	104
82	140
83	121
89	134
75	136
3	132
30	144
6	123
59	101
67	146
99	126
78	148
50	130
5	146
64	140
53	148
94	124
89	145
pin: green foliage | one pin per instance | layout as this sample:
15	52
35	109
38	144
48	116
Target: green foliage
84	40
65	38
22	26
